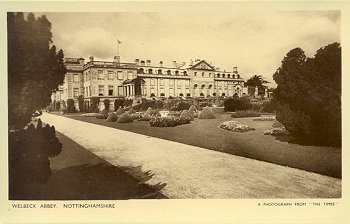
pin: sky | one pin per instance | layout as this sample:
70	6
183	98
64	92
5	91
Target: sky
255	42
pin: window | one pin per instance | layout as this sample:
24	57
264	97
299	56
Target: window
152	82
228	76
179	82
120	91
145	91
162	82
120	75
100	74
195	73
176	72
110	75
209	75
187	82
100	90
75	77
110	90
129	75
152	91
89	91
168	72
75	92
161	90
203	74
223	75
86	91
179	90
159	71
171	82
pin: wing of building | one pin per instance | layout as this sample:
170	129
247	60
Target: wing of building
142	79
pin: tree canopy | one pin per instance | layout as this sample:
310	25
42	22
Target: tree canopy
257	81
309	94
35	68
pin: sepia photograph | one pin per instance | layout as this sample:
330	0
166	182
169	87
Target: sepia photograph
163	105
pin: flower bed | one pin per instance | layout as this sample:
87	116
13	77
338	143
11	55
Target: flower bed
264	119
90	114
276	131
236	126
170	121
245	113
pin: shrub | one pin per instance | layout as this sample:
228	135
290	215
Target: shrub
241	103
70	106
131	111
118	103
170	121
106	103
277	124
236	126
276	131
206	113
124	118
29	164
145	117
94	104
81	103
120	111
104	112
270	106
128	102
102	116
245	113
112	117
150	111
186	113
192	109
162	94
181	105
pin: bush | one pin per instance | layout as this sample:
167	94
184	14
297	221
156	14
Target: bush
128	102
241	103
29	164
270	106
104	112
150	111
101	116
181	105
118	103
106	103
192	109
81	103
112	117
206	113
120	111
170	121
245	113
94	104
124	118
276	131
70	106
186	113
131	111
145	117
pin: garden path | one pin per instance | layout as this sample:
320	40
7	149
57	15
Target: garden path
194	172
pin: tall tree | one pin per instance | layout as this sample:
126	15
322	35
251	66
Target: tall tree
35	69
309	94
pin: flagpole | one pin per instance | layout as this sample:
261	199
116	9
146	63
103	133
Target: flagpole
117	47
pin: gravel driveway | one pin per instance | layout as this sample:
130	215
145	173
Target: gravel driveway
194	172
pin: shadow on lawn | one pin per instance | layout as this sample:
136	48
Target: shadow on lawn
297	141
100	181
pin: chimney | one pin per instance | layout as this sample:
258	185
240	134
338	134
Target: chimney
235	69
217	69
191	62
174	64
160	63
91	58
137	61
148	62
197	60
142	63
116	59
81	61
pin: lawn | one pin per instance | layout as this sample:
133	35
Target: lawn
252	144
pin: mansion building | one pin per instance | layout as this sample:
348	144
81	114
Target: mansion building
142	79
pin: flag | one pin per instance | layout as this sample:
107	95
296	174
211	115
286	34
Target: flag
119	42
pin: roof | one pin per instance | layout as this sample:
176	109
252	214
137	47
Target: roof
133	80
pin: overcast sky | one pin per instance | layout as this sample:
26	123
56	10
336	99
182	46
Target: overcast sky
255	42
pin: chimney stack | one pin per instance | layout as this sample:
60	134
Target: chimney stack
161	63
235	69
91	58
148	62
81	61
142	63
174	64
116	59
137	61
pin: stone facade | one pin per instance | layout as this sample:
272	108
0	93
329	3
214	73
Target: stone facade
112	80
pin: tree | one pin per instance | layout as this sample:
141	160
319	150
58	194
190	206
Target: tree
309	94
81	103
32	62
35	69
257	81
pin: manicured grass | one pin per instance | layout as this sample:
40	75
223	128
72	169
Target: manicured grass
252	144
78	174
